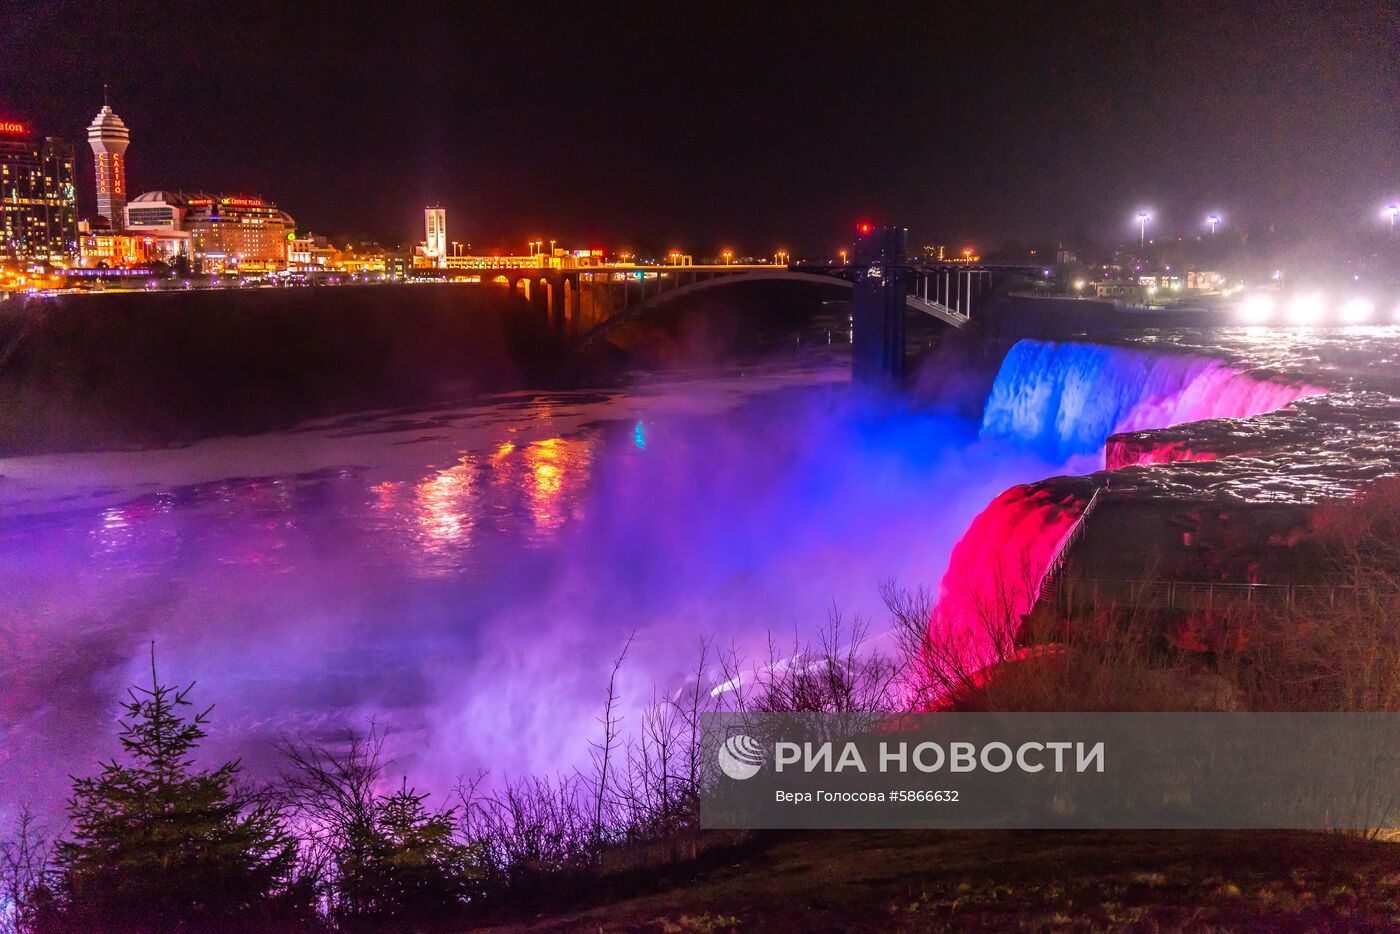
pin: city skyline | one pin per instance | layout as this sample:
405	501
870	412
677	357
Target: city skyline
747	128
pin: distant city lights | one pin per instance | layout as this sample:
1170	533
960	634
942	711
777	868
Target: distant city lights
1306	309
1309	309
1256	309
1357	311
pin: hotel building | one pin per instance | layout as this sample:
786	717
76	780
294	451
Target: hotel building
38	210
226	232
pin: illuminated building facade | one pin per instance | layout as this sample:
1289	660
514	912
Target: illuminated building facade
104	249
237	232
311	252
156	210
555	259
435	227
38	209
224	232
109	137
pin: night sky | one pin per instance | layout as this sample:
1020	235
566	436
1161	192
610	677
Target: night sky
751	125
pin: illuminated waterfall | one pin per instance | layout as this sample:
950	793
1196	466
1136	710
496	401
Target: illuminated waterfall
1064	400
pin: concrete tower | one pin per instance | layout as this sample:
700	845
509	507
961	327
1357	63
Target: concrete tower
435	224
108	137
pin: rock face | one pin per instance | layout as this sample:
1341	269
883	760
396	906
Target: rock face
82	372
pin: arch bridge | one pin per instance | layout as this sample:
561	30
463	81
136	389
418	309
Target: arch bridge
586	303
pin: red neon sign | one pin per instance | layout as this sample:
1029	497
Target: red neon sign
13	127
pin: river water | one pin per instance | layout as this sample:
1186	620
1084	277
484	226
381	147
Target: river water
464	575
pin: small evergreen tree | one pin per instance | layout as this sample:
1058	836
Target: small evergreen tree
387	862
410	868
158	845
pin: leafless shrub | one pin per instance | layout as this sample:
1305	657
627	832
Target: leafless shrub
944	656
837	673
332	794
25	869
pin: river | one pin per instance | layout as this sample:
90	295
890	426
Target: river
465	575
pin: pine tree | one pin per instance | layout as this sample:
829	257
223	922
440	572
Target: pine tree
390	862
157	845
431	872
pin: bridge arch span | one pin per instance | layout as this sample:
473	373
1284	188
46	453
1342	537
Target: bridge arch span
719	279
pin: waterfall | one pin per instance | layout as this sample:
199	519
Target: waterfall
1064	400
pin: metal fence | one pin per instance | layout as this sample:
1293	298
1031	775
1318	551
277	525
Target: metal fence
1050	582
1191	595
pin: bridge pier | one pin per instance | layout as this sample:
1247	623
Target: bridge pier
877	308
575	307
539	297
557	308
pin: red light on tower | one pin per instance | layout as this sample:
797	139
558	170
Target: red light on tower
863	228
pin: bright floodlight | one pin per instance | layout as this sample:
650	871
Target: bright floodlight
1305	309
1256	309
1357	311
1143	217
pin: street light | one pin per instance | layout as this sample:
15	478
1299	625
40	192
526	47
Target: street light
1305	309
1391	211
843	256
1213	221
1357	311
1143	218
727	255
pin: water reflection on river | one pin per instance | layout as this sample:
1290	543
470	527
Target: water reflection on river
463	574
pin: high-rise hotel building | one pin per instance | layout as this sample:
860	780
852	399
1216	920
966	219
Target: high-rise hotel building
109	137
226	232
38	209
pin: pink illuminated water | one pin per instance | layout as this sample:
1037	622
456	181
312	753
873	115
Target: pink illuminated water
466	575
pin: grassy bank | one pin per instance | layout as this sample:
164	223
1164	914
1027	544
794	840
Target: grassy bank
1026	881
